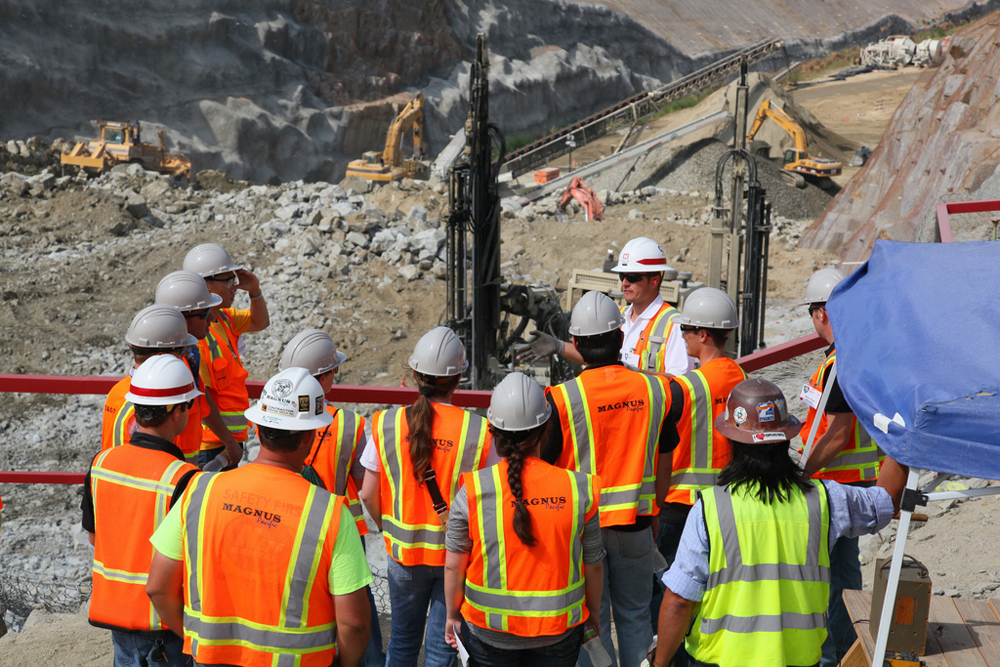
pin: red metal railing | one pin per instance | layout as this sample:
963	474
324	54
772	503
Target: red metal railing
945	209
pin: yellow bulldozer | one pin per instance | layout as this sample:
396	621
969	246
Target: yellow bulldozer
121	143
389	165
798	166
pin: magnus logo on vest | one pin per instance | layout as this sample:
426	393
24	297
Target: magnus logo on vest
443	445
556	503
631	406
268	519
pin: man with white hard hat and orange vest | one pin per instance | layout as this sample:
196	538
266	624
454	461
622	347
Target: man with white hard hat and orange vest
127	493
222	368
157	329
188	292
842	451
258	566
651	340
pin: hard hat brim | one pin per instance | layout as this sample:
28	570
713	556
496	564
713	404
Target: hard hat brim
414	364
787	432
257	416
187	341
341	358
213	301
166	400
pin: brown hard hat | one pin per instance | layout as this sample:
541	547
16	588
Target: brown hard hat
756	413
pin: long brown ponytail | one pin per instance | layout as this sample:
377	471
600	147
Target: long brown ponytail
420	420
515	446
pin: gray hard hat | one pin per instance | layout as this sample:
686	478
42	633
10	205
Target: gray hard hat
186	290
313	350
439	352
821	285
209	259
710	308
159	326
594	314
518	404
756	413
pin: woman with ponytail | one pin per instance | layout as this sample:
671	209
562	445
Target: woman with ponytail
524	568
414	462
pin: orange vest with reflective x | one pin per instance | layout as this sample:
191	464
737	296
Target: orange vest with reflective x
611	419
228	386
331	457
118	423
652	345
511	587
861	459
412	530
131	487
258	544
701	453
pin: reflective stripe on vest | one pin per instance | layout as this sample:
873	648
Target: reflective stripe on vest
769	574
120	434
652	344
291	635
861	458
343	435
231	400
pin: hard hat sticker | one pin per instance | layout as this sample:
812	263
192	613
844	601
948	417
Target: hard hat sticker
769	437
277	410
319	405
281	388
303	404
765	412
739	415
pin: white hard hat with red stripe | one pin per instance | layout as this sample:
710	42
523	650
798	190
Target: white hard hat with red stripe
162	380
642	255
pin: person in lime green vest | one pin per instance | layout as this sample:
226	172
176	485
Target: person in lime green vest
751	580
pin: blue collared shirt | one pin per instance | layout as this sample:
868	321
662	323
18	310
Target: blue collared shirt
854	511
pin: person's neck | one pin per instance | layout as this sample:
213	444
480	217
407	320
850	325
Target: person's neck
284	460
158	432
710	353
639	307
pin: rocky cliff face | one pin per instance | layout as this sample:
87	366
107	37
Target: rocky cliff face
943	144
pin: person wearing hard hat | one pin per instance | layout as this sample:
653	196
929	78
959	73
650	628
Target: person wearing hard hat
188	292
333	461
651	340
127	492
155	330
258	566
753	566
222	369
609	422
842	451
413	462
543	553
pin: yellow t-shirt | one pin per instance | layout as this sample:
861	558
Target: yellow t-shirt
242	321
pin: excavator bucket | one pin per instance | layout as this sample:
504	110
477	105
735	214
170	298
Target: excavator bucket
584	194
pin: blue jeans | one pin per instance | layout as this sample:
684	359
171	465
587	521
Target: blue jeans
667	542
560	654
845	574
374	656
628	586
132	650
412	589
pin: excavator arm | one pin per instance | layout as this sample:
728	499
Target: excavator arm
766	111
411	117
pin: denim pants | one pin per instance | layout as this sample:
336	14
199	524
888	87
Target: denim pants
374	656
412	589
845	574
133	650
628	586
667	542
560	654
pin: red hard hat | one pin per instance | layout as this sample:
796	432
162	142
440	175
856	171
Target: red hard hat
756	413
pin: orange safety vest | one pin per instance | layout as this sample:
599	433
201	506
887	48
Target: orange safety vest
118	423
131	487
861	459
701	453
652	345
190	438
331	457
228	387
412	530
511	587
258	544
611	419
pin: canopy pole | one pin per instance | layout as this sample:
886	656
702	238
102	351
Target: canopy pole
820	410
892	585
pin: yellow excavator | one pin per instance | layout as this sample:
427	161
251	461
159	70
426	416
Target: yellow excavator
797	164
120	143
389	165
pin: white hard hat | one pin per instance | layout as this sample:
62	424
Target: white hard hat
209	259
594	314
162	380
439	352
518	404
159	326
186	290
821	285
313	350
292	400
709	308
642	255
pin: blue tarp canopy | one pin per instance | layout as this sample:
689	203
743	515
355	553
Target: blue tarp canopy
917	329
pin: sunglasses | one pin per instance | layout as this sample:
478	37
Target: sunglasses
184	406
200	314
687	328
632	277
816	306
230	281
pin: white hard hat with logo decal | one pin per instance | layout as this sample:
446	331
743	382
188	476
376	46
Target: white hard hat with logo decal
313	350
821	285
292	400
518	404
642	255
159	326
186	291
594	314
209	259
440	353
162	380
710	308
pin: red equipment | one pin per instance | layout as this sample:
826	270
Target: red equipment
584	194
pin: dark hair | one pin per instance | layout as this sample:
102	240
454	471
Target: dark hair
766	470
151	416
719	336
600	349
280	440
515	446
420	419
140	354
